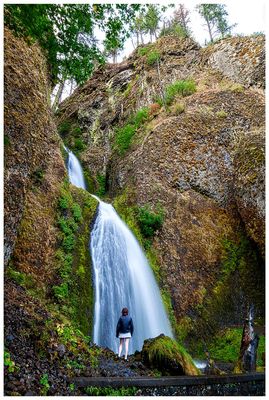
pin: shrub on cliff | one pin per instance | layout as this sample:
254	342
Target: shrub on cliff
183	88
125	134
149	222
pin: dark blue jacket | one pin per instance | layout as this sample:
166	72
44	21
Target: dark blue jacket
125	325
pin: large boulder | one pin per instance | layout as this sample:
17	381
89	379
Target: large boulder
166	355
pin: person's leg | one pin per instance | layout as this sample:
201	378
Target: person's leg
120	346
126	347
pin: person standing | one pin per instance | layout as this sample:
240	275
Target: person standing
124	331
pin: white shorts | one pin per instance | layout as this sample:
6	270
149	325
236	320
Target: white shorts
124	335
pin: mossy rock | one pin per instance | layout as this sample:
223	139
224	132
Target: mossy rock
166	355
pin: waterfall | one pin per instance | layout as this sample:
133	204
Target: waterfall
122	278
75	171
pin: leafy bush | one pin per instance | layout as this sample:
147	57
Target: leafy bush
183	88
101	179
79	145
142	51
140	117
64	128
61	291
125	134
153	57
44	381
124	137
149	222
76	210
8	362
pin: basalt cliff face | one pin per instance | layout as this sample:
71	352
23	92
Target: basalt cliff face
201	158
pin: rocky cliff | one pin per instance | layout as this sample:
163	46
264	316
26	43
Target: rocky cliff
170	135
199	156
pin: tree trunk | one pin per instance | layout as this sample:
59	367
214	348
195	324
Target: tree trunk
58	96
249	345
209	30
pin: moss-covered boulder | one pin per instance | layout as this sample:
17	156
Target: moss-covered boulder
169	357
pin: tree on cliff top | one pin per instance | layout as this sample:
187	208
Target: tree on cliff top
215	16
66	33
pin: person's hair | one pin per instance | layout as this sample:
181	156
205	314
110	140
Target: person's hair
124	311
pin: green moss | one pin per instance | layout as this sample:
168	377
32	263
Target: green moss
221	114
225	346
21	278
64	128
74	291
165	353
90	183
240	282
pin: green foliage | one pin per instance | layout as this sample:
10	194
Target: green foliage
142	51
109	391
149	222
101	179
215	16
175	30
124	135
44	381
76	210
66	33
152	20
153	57
61	291
79	145
8	362
72	386
64	201
73	364
64	128
6	140
183	88
225	345
21	278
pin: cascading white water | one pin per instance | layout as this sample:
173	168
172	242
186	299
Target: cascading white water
122	277
75	171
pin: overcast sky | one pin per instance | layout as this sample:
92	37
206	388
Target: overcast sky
249	16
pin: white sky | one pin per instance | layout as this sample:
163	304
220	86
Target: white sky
250	17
